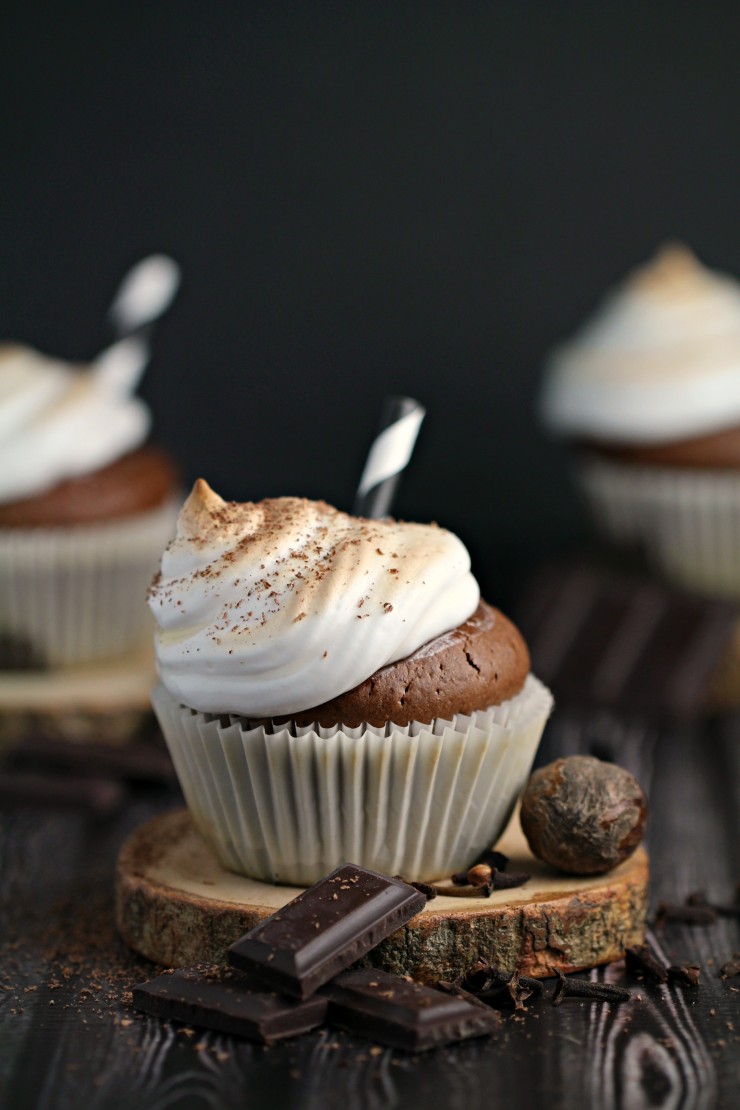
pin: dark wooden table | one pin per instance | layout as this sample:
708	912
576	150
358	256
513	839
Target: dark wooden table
70	1039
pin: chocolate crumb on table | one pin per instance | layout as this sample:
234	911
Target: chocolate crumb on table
686	974
731	968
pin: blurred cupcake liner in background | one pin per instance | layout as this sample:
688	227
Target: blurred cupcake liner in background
686	523
86	503
74	594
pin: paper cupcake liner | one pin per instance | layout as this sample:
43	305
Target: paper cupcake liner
686	521
76	594
288	804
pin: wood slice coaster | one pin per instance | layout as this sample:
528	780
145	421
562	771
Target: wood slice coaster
104	702
176	905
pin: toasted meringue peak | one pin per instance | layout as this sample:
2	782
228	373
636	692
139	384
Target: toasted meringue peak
673	267
60	421
270	607
658	361
198	516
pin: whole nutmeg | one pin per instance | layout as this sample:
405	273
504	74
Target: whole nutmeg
582	815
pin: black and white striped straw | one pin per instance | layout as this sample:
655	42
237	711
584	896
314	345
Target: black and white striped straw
388	457
144	295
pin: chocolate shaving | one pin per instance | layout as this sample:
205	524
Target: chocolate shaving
686	974
730	969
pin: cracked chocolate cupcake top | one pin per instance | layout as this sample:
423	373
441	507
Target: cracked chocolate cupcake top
482	662
269	608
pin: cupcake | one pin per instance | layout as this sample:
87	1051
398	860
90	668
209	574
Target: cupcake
648	395
86	505
333	689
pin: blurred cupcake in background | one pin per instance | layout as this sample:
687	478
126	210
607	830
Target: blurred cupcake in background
647	392
334	688
86	504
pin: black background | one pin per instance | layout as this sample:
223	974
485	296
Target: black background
365	198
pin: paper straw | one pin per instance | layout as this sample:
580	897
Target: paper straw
145	293
389	455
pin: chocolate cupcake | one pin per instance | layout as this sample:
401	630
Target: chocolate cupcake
333	689
86	505
648	395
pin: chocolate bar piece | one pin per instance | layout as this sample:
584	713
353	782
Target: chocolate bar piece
603	638
325	929
222	1000
403	1014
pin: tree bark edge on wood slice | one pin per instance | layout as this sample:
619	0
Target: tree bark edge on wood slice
177	906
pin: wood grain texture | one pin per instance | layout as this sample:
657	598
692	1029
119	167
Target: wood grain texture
69	1037
176	905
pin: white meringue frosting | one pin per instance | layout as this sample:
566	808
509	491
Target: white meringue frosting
658	361
277	606
60	421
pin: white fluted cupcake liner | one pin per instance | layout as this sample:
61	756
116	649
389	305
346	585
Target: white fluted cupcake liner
686	521
75	594
289	805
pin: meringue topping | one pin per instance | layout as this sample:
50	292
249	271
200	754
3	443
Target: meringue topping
60	421
659	360
272	607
